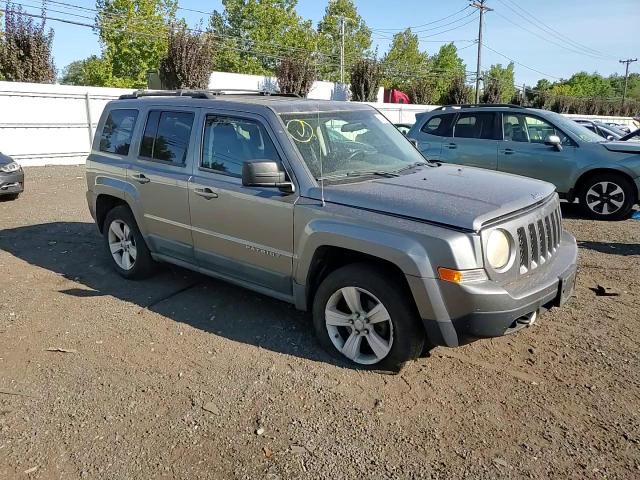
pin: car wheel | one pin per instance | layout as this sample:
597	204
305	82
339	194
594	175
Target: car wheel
124	243
10	196
360	317
607	197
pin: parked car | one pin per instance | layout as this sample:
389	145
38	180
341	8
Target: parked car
404	127
390	252
603	176
11	178
619	126
603	130
633	136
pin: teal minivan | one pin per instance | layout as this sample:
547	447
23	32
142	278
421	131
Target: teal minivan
603	175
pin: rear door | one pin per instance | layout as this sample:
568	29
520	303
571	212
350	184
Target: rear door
474	141
161	177
524	152
432	133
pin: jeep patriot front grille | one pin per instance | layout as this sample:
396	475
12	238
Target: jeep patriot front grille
539	241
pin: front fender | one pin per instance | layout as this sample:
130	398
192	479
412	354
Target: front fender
407	254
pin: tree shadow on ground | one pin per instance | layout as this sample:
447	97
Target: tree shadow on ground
75	251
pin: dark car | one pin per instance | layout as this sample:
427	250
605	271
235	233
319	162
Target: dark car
11	178
633	136
606	130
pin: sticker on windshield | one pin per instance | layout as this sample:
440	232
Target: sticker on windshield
382	118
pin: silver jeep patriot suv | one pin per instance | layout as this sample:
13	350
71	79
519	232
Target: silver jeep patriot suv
328	206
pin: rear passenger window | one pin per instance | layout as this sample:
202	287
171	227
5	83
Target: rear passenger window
229	142
166	136
475	125
439	125
117	131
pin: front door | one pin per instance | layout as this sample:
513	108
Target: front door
523	150
474	142
241	232
160	174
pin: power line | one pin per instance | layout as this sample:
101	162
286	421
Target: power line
519	63
422	25
549	40
549	30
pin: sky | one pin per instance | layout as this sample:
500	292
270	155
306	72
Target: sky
593	34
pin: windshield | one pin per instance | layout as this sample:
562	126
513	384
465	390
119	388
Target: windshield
568	125
350	143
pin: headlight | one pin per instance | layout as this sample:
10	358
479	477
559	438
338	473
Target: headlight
498	249
10	167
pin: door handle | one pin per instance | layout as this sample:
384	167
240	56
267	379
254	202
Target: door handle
451	146
205	193
140	178
509	151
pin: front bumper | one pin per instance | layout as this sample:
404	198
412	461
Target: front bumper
11	183
454	314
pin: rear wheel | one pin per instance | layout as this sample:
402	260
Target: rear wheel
124	243
10	196
363	317
609	196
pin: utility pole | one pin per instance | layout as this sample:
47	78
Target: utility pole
626	76
480	5
342	49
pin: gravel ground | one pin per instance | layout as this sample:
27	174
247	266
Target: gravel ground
186	377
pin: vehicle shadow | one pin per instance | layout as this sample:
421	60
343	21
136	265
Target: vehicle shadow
75	251
622	249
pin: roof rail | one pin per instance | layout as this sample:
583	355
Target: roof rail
202	94
478	105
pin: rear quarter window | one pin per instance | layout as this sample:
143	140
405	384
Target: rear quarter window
439	125
117	131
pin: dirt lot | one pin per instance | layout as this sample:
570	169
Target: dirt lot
171	378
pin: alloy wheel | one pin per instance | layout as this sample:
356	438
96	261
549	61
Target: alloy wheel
122	244
605	198
359	325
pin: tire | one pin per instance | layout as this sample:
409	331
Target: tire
132	260
609	196
397	340
10	196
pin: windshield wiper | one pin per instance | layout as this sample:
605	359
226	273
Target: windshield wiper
413	165
378	173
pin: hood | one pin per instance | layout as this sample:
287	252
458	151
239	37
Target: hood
4	159
623	146
452	195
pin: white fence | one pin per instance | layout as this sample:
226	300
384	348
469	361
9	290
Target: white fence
54	124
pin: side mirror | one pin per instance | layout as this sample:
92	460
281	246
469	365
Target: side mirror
610	137
265	173
553	141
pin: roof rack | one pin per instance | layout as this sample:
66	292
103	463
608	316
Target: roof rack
478	105
203	94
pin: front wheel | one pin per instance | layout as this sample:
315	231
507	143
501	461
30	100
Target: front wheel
361	314
609	196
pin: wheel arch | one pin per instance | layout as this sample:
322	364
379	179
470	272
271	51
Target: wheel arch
582	179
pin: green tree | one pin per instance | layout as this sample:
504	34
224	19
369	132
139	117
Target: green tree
458	92
357	38
134	37
446	66
499	84
404	61
25	48
254	35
